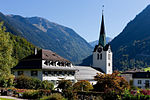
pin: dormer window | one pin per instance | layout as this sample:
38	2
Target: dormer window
58	63
51	63
46	62
68	64
62	64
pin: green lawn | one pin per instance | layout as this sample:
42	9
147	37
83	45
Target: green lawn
147	69
6	99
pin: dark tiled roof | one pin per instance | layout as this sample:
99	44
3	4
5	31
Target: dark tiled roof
49	55
29	64
141	75
35	61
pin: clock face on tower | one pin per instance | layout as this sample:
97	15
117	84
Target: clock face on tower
99	50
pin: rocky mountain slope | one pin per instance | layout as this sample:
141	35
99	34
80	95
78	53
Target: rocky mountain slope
48	35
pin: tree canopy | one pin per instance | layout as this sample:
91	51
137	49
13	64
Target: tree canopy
110	82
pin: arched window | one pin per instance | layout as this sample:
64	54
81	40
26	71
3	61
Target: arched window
109	56
97	56
101	56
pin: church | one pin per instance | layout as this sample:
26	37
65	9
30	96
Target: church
102	54
102	59
47	65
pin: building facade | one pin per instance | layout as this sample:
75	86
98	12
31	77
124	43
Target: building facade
46	65
141	80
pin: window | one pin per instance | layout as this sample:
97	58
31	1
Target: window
66	72
20	72
34	73
60	73
101	56
146	83
70	73
97	56
45	73
73	73
139	82
139	87
109	56
108	64
55	73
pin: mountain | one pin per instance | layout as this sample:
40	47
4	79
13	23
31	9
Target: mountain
48	35
131	48
93	43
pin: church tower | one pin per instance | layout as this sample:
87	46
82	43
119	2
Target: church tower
102	54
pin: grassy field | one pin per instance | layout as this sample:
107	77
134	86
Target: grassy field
6	99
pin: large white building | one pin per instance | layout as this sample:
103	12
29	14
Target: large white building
46	65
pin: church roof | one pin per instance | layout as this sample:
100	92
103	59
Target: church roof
102	38
85	73
105	48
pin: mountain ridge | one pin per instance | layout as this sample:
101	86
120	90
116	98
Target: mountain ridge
94	43
49	35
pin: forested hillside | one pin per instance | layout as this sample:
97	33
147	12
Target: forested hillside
131	48
12	49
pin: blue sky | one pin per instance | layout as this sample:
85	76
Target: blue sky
83	16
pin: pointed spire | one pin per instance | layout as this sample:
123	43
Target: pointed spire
102	38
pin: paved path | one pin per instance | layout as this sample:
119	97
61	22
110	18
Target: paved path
9	97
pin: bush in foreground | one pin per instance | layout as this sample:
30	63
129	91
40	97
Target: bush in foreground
33	94
55	96
82	86
47	85
25	82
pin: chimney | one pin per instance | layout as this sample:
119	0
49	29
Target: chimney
35	51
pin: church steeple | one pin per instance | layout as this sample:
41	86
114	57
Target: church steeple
102	38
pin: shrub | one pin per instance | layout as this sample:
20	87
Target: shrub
112	82
64	84
47	85
55	96
6	81
82	86
32	94
25	82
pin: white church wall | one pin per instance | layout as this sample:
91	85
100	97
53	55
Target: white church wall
105	63
108	62
99	63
